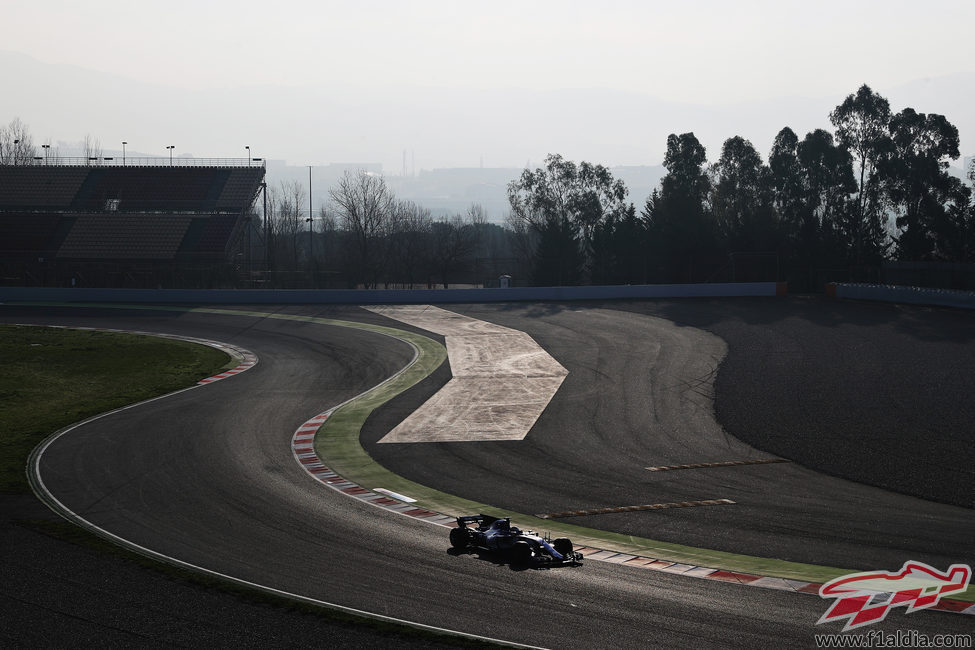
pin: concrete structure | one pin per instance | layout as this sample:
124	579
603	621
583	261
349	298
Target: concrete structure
502	380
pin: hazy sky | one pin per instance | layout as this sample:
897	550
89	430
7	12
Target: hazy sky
706	52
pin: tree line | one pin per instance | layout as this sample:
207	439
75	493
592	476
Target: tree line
831	205
875	189
367	238
17	146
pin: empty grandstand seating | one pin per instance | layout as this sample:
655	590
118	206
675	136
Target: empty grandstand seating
59	223
130	189
240	188
145	188
38	187
210	236
29	231
166	188
122	236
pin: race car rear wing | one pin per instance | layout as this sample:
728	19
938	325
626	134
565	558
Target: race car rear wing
482	521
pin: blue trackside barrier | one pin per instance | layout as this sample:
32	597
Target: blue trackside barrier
384	296
909	295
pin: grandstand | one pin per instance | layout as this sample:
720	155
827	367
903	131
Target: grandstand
143	224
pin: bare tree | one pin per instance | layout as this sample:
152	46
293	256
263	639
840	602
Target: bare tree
452	244
16	144
53	153
289	202
271	227
285	225
328	246
524	238
364	207
410	243
476	215
92	148
326	221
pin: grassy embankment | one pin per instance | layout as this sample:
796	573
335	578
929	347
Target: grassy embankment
52	377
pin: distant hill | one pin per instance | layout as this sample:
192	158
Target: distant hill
439	127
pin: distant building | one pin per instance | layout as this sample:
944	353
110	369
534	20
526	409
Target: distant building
451	191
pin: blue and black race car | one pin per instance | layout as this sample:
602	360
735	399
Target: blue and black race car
497	535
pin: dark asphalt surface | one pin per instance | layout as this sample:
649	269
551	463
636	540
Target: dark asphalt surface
878	393
207	477
56	594
590	448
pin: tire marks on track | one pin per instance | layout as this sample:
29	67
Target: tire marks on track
303	448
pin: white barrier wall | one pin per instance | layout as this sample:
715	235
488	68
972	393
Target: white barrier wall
380	296
910	295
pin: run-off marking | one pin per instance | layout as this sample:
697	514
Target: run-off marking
726	463
501	380
649	506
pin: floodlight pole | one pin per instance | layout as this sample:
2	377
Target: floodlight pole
267	243
123	152
311	241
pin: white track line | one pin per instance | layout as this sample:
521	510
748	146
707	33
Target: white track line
44	494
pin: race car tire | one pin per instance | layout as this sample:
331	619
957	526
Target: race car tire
562	546
460	537
521	552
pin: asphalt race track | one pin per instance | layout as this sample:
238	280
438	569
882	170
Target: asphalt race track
208	477
591	446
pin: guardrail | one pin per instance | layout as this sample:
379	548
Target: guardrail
141	161
907	295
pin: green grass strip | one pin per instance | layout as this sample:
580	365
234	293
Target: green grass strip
337	444
52	377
